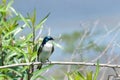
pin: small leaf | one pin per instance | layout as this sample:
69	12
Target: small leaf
25	76
33	56
21	51
76	76
2	9
14	11
52	78
59	46
33	18
10	55
5	77
27	39
9	5
25	21
97	71
15	31
70	77
89	75
81	76
37	73
42	22
42	77
16	72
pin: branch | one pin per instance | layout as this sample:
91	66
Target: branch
61	63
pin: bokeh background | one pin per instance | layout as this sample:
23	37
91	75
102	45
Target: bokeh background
89	30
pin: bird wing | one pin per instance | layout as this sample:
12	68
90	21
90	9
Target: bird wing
52	49
38	53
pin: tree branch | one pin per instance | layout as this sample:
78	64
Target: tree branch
61	63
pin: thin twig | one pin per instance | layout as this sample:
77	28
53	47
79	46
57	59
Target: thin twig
107	47
103	73
61	63
75	50
39	33
116	72
101	38
94	27
109	61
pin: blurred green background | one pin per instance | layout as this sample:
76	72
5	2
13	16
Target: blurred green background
87	30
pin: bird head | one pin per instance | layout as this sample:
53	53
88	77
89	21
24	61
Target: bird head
46	39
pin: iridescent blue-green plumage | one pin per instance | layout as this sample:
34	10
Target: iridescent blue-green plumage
45	50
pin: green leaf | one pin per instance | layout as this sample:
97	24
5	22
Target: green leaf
2	9
58	45
89	75
24	53
17	72
10	55
42	77
76	76
5	77
37	73
97	71
33	18
20	51
70	77
52	78
16	60
81	76
14	11
25	21
33	56
25	76
42	21
27	39
15	31
9	5
4	2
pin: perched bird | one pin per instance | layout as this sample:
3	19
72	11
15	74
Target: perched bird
45	50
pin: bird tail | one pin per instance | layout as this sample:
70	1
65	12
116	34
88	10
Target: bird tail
39	66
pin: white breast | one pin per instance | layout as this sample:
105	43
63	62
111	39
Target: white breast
48	47
46	51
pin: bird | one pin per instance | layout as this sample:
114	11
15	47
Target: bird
45	50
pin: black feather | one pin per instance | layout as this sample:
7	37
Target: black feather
38	54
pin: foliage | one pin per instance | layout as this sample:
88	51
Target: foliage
76	75
72	40
14	49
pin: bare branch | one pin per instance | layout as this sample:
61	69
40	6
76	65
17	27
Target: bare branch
61	63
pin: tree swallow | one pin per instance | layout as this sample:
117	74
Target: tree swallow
45	50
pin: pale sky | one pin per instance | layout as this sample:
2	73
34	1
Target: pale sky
66	14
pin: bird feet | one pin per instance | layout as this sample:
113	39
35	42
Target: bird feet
48	61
